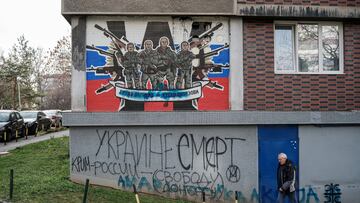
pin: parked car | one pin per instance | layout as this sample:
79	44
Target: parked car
55	116
10	122
36	121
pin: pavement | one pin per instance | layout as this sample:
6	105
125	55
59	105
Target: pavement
31	139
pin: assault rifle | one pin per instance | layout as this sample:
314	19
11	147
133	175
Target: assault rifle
113	55
216	51
116	69
120	43
201	72
107	70
208	33
200	57
101	51
217	67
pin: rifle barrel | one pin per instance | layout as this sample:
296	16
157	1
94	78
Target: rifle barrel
99	27
99	50
215	51
210	30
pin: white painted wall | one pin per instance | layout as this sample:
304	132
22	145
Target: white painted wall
237	64
136	27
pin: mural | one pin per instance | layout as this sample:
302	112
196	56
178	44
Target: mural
164	65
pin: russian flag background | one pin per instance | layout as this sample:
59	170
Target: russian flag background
211	100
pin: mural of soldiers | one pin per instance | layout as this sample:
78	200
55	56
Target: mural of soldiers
184	62
148	61
166	64
131	67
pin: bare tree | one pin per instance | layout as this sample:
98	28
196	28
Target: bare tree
38	72
56	81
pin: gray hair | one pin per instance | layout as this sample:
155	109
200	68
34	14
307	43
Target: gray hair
283	155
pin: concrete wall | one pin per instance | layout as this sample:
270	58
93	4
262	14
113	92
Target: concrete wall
78	74
199	7
304	8
174	161
329	155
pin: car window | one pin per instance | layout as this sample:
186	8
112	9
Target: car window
18	116
4	116
50	113
28	114
12	116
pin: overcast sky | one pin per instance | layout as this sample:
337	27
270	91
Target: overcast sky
40	21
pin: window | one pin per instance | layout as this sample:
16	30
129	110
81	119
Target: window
12	117
284	46
308	48
18	116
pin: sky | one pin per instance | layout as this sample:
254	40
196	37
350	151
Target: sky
40	21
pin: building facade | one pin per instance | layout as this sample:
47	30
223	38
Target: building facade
182	99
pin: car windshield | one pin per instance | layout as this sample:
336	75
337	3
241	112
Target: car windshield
4	117
50	113
28	114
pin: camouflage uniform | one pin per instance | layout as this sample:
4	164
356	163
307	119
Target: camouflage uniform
166	67
131	72
148	61
184	62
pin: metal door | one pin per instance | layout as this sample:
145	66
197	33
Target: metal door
274	139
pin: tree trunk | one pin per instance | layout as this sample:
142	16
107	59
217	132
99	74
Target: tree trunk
14	93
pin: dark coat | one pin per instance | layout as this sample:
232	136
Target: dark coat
286	177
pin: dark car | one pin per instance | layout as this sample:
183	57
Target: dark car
11	122
55	116
36	121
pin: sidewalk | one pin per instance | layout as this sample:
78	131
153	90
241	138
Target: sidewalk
31	139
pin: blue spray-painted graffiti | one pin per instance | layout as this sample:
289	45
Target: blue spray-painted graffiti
184	183
307	194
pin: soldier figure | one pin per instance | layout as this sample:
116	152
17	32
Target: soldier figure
148	61
184	61
131	67
166	64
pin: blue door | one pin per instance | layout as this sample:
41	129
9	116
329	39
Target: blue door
274	139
